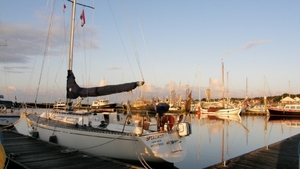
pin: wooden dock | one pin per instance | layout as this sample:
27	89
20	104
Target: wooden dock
29	153
283	154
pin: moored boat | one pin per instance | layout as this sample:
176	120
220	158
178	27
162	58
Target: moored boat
102	103
8	113
224	107
110	134
221	111
287	110
59	105
256	108
104	134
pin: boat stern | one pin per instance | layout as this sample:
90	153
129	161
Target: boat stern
168	146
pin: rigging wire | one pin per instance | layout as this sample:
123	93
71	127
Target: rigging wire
34	63
121	38
268	86
81	43
90	57
86	58
63	52
6	76
45	51
145	44
64	49
5	68
128	23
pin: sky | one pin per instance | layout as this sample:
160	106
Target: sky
171	45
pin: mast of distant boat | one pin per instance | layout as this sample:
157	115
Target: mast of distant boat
223	87
199	89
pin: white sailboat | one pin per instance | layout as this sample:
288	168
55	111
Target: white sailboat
225	108
110	134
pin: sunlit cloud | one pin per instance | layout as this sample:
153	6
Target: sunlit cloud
247	46
103	82
147	87
12	88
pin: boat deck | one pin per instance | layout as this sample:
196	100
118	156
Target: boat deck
283	154
30	153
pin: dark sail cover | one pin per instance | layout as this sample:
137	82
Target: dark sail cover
74	91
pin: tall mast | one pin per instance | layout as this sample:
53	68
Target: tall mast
72	35
70	67
71	45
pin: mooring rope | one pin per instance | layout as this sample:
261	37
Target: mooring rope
138	154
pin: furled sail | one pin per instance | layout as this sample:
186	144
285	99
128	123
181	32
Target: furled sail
74	91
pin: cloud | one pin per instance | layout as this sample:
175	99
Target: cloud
12	88
216	88
247	46
114	68
21	42
147	87
15	69
103	82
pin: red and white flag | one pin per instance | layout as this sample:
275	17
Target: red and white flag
82	17
64	7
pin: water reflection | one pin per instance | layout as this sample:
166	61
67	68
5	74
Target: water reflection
286	121
219	138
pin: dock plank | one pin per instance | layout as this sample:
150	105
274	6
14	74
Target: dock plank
283	154
33	153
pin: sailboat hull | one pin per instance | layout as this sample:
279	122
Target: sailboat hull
156	147
7	119
220	111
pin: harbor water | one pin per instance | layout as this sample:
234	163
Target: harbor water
214	141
